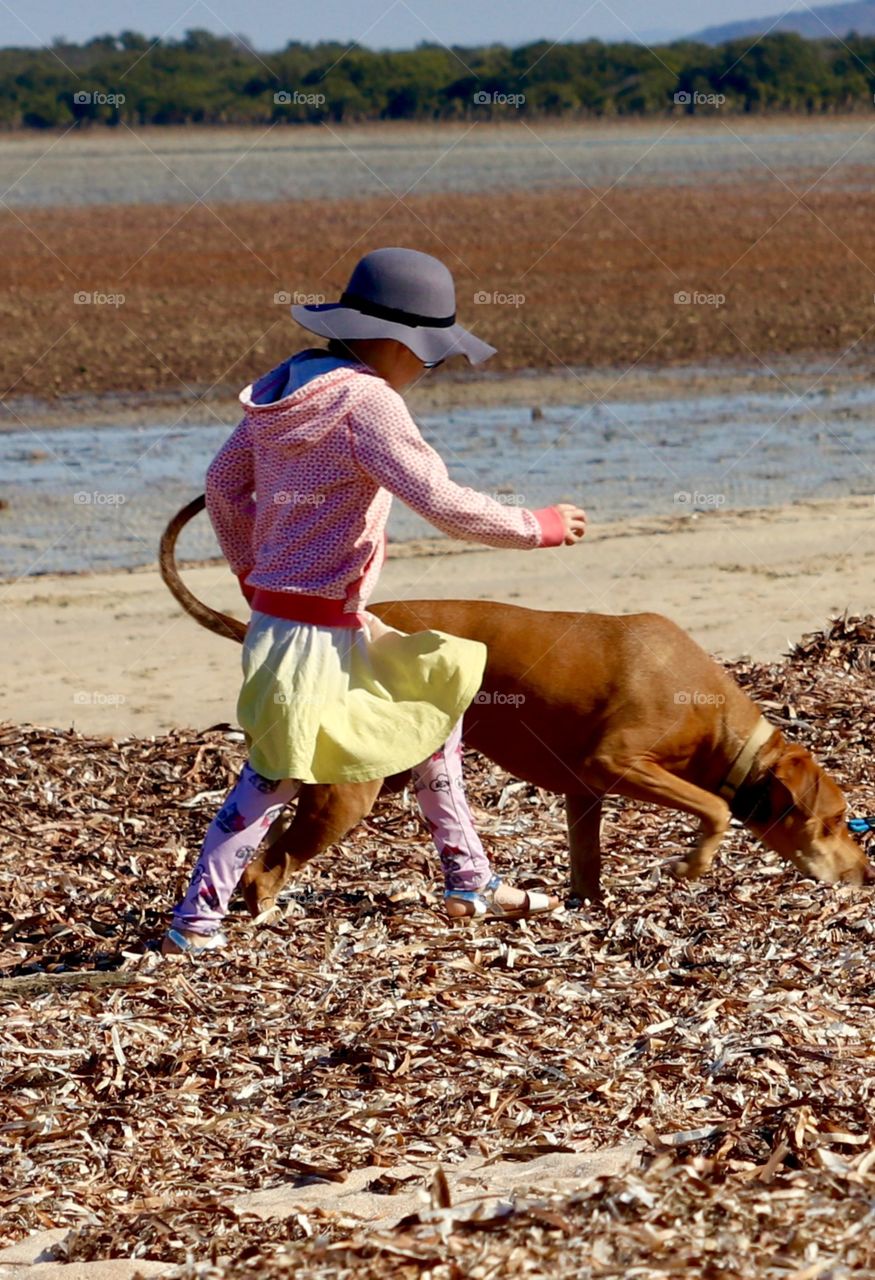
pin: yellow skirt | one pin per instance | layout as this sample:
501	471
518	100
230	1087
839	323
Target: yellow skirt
347	704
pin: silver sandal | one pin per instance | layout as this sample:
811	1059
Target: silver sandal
486	907
212	942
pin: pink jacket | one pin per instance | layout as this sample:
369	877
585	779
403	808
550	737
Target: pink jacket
324	463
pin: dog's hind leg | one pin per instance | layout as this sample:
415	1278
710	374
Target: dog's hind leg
325	813
644	780
583	813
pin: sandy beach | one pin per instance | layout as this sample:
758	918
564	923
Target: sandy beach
112	653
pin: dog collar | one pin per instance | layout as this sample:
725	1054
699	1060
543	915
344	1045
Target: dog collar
742	763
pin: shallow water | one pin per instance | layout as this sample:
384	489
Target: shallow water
98	498
182	166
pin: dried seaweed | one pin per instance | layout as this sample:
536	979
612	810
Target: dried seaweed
728	1025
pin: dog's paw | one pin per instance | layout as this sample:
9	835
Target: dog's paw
269	912
583	901
683	869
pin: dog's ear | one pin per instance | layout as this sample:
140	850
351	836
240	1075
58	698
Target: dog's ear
797	782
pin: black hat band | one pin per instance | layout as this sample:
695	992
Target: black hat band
410	318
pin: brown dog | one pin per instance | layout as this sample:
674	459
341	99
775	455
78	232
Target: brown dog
588	704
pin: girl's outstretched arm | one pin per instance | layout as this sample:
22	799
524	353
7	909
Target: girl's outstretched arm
230	504
388	446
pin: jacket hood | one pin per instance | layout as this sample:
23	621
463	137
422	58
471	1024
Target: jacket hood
306	396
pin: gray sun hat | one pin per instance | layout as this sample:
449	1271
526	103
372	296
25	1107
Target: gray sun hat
401	294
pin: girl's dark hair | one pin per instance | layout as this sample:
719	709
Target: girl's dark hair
337	347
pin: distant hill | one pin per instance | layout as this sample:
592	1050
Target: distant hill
818	24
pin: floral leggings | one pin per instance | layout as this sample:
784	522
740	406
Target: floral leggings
254	802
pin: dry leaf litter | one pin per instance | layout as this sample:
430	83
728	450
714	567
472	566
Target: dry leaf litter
726	1025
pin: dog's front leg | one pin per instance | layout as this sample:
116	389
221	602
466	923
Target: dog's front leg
644	780
583	813
700	860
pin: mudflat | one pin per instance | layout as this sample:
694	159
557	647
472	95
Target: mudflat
193	301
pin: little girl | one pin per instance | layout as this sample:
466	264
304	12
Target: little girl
330	694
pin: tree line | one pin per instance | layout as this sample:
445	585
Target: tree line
207	79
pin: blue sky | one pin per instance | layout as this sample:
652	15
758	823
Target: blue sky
269	24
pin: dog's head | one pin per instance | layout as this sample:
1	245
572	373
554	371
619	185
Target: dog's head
800	813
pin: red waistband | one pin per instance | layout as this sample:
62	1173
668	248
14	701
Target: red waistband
294	607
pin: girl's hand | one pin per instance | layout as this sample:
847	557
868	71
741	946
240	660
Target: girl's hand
574	519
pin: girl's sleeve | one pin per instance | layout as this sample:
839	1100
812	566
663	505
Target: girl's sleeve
230	501
387	445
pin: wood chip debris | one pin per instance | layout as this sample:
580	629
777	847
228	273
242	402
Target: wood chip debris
729	1025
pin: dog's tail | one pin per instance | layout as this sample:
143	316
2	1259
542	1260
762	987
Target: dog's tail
221	623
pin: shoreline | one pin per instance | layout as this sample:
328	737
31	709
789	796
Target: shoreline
113	653
777	119
424	548
451	389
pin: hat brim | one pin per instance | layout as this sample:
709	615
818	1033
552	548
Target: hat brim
331	320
